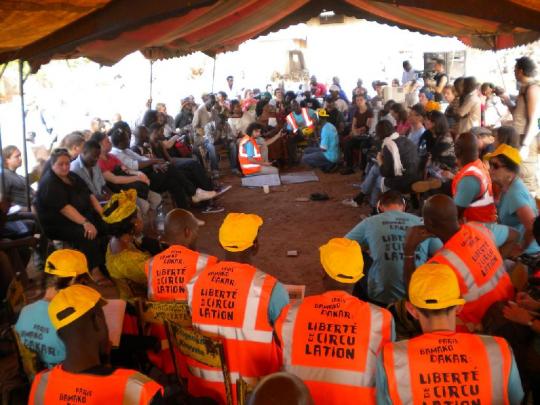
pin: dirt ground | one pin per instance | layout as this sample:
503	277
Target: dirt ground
288	224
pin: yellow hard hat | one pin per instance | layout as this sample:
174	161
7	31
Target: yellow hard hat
506	150
434	286
239	231
120	206
71	303
322	112
307	131
66	263
342	260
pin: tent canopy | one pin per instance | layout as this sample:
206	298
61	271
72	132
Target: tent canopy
106	31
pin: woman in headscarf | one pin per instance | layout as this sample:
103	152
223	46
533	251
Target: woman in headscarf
125	259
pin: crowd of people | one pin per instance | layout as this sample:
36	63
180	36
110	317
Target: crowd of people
437	308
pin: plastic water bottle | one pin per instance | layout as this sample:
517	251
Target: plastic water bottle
160	220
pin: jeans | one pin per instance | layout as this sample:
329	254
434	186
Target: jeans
314	157
371	186
232	149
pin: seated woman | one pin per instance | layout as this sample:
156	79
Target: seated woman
437	156
118	177
250	156
400	115
396	167
68	211
20	221
63	268
124	259
515	205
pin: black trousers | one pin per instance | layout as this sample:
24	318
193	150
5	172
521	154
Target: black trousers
194	172
363	143
173	181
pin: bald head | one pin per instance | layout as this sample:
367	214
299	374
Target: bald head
466	148
440	214
181	228
281	388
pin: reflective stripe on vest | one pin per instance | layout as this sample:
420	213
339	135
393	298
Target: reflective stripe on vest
133	393
202	261
134	388
39	397
473	291
246	165
481	208
452	256
402	371
248	331
242	151
307	120
331	375
486	198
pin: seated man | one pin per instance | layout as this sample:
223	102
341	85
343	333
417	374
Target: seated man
307	329
326	155
218	131
77	315
86	167
169	271
301	123
222	300
62	268
383	236
442	366
250	155
471	251
471	186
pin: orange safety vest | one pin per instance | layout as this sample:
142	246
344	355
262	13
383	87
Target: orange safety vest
331	342
482	209
56	386
169	271
245	164
308	122
448	367
475	259
231	300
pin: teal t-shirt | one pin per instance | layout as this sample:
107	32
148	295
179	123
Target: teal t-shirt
38	334
467	190
330	142
510	202
279	299
384	236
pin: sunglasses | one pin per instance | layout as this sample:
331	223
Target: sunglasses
495	165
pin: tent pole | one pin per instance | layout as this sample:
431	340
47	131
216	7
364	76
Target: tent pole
500	70
25	149
214	73
4	66
151	77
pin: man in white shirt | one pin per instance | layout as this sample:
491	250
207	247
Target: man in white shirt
202	115
232	90
411	82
